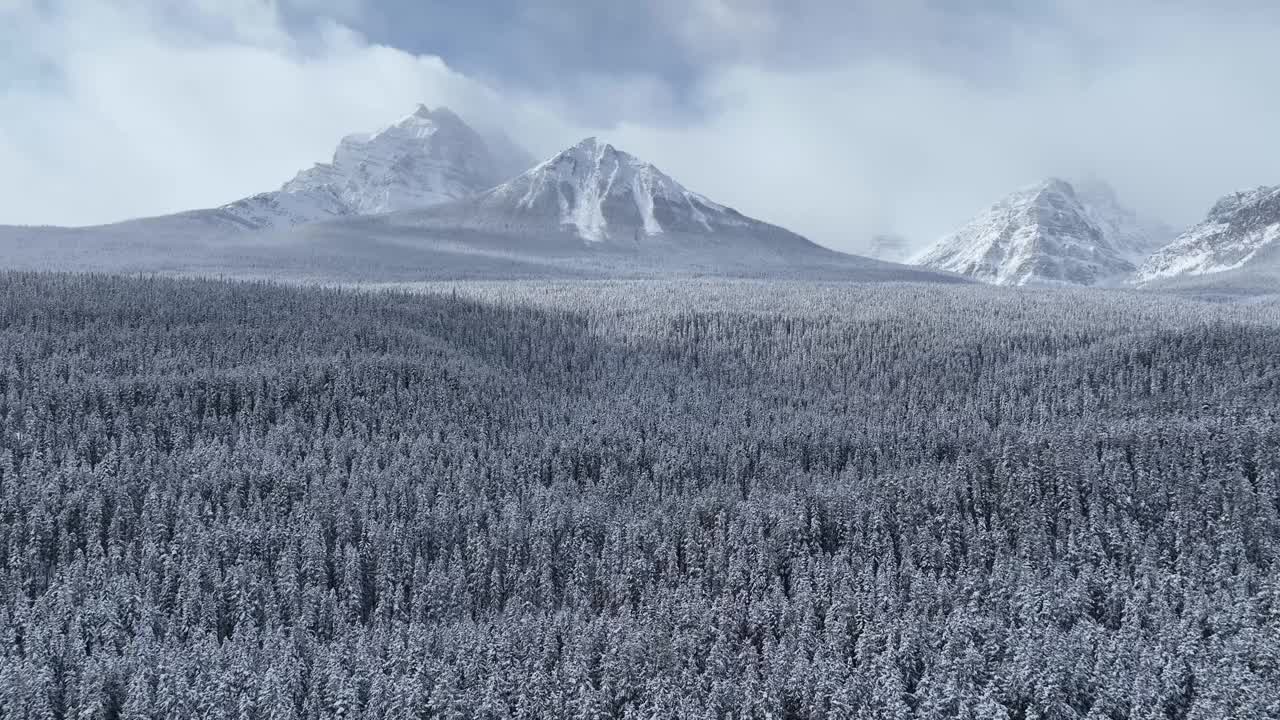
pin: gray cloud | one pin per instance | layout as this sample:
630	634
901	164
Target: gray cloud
839	119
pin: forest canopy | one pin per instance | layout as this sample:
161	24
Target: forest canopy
635	500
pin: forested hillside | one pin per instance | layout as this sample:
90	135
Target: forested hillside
624	500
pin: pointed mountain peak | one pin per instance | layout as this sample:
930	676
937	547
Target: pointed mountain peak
595	144
1047	234
428	157
591	147
593	153
601	193
425	116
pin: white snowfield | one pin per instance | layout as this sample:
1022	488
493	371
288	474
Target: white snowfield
1049	234
1238	231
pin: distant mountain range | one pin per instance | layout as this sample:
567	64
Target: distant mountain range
1059	233
429	197
425	198
589	211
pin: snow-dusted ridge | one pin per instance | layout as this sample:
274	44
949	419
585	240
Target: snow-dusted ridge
421	199
1049	234
592	210
427	158
1237	229
601	193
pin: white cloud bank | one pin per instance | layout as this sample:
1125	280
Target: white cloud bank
126	109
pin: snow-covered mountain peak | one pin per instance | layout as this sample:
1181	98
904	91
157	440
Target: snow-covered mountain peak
603	193
1228	206
1237	229
590	144
1050	233
426	158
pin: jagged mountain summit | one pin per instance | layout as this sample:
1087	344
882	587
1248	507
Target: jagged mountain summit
1048	234
428	158
599	193
1241	230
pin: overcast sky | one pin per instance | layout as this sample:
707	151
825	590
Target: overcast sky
836	118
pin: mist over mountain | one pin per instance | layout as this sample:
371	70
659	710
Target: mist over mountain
426	198
1240	232
594	210
1050	234
428	158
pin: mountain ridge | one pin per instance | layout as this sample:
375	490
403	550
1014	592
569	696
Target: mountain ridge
1048	234
1237	232
590	211
598	209
427	158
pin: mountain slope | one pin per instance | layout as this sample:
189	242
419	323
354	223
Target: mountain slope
590	211
599	193
1238	232
595	210
428	158
1047	234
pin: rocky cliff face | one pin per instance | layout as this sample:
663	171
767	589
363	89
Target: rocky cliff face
1047	234
1239	231
428	158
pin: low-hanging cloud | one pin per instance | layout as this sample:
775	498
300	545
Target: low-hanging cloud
126	109
1174	111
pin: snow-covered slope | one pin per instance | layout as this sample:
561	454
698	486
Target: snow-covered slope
599	194
1048	234
428	158
1237	231
593	210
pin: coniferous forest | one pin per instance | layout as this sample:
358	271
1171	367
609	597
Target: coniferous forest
627	500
